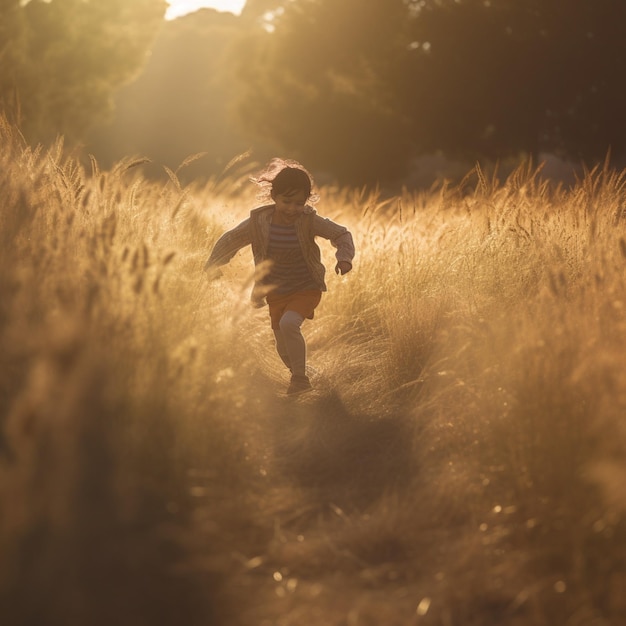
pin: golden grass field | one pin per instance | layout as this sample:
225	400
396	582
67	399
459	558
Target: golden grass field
461	463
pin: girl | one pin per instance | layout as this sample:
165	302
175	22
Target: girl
289	273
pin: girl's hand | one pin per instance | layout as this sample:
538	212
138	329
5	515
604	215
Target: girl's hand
343	267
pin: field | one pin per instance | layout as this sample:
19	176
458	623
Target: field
461	463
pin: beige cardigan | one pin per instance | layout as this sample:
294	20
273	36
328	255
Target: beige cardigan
255	232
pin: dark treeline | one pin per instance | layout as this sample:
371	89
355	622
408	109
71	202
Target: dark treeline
356	89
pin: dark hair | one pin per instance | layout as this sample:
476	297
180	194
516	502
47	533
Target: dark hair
291	180
282	176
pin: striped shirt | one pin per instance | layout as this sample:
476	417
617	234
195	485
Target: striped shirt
288	270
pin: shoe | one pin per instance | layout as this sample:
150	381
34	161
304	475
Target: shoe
299	384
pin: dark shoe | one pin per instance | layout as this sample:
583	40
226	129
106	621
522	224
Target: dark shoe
299	384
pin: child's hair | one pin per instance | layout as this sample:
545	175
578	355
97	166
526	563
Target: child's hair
284	177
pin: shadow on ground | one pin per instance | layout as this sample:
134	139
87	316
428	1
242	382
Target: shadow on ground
349	459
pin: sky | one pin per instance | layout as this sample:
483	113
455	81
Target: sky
181	7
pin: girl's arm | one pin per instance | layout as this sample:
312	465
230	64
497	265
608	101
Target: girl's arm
339	237
345	251
228	245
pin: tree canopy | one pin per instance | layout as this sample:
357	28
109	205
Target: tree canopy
180	105
63	59
352	88
508	75
318	83
359	88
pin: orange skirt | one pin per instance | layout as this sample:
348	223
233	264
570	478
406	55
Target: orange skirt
302	302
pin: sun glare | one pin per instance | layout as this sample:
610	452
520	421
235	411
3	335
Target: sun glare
182	7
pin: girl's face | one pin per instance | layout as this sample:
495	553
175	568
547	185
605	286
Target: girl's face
289	206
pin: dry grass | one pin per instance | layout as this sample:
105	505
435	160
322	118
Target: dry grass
463	462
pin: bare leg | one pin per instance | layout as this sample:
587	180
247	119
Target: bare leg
293	341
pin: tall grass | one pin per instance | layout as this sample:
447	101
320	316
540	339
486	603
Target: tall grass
461	462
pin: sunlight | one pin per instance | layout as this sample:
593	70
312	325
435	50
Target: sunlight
182	7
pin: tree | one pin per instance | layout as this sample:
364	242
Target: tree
67	57
506	76
361	88
180	104
316	85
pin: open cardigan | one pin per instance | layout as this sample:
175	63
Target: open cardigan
255	231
